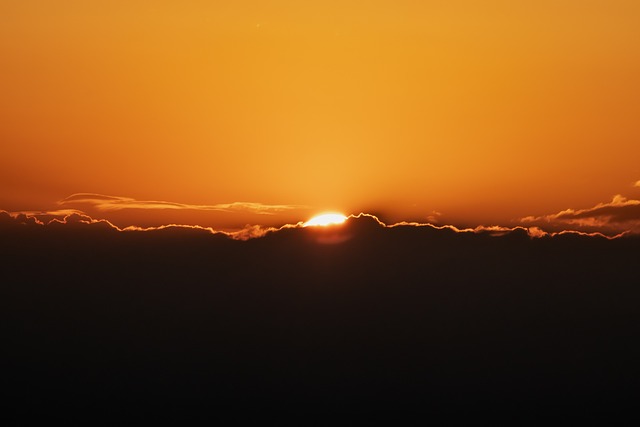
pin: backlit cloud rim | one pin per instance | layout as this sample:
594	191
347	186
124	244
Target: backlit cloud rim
78	219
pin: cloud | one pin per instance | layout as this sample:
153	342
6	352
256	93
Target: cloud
434	217
617	216
51	218
251	232
18	218
637	184
405	306
71	218
107	203
356	225
48	215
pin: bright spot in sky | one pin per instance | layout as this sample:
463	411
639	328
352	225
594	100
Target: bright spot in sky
326	219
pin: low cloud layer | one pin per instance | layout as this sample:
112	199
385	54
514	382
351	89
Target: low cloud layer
77	219
360	224
247	220
362	310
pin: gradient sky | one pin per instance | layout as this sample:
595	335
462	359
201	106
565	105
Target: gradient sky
472	112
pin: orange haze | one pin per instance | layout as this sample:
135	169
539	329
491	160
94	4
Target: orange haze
459	111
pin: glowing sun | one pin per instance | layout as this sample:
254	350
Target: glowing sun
326	219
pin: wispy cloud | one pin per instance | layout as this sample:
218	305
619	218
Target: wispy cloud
50	214
618	215
107	203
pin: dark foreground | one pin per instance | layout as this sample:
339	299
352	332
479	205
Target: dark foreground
101	326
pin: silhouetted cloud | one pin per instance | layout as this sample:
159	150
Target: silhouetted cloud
361	223
405	316
112	203
48	215
78	219
618	216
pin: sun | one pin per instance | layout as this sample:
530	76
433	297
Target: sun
326	219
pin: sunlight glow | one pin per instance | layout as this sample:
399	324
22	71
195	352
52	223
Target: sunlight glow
326	219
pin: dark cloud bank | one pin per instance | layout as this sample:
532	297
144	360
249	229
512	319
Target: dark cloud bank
352	323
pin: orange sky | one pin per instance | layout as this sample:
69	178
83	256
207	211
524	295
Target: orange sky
483	112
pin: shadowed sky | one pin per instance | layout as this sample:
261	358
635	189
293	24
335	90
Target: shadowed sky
470	112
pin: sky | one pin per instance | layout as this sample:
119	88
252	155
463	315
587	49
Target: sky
162	163
222	114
